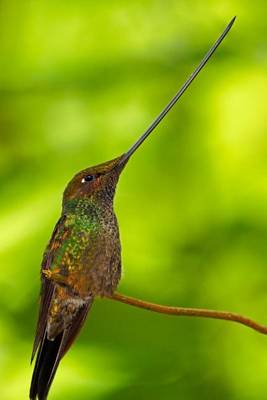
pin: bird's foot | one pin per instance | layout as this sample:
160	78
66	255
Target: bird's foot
55	276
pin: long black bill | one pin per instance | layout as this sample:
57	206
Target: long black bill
181	91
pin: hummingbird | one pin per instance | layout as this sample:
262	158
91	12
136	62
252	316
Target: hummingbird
82	260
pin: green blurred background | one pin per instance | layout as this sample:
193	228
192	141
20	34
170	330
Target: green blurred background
80	80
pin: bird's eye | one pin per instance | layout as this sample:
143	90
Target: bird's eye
88	178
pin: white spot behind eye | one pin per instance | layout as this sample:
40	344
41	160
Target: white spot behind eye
88	178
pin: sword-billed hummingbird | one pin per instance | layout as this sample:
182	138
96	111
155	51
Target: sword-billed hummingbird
83	257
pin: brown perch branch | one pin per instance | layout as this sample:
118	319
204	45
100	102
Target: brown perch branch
190	312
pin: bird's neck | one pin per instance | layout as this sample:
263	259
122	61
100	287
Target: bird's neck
87	207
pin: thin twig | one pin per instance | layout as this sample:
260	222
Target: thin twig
191	312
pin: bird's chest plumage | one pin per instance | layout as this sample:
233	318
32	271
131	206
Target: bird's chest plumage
89	258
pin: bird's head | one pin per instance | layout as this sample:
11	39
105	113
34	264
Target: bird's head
97	182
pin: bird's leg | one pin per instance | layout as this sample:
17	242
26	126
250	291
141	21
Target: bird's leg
56	276
191	312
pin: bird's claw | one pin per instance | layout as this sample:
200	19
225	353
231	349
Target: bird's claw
47	273
52	275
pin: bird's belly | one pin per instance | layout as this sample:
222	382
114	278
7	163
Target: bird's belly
90	264
95	276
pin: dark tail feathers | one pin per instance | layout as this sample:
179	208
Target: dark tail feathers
50	353
45	367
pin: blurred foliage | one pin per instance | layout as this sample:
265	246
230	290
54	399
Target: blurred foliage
80	80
